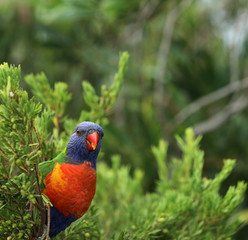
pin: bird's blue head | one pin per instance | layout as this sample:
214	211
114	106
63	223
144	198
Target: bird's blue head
85	143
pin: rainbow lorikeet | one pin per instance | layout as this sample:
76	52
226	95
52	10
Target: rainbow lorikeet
69	180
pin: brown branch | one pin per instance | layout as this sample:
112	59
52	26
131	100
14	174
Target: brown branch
38	207
15	185
23	169
48	221
210	98
4	154
222	116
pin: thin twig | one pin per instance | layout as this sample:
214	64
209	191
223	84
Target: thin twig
48	220
23	169
15	185
8	143
3	152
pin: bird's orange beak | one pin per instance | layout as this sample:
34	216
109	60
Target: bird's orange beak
92	141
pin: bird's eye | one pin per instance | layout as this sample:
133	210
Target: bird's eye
78	132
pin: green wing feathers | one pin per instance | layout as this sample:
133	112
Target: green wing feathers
46	167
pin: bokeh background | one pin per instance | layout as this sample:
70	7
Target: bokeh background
188	67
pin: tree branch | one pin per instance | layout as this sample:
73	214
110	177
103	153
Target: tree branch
48	221
234	87
209	99
215	121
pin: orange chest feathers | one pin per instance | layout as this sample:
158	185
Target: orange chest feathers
71	188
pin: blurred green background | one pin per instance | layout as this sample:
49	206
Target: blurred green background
188	67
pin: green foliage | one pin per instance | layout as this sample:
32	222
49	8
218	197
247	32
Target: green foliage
26	140
56	100
20	152
185	205
75	40
100	107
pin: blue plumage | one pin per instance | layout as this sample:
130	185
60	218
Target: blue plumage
77	151
59	222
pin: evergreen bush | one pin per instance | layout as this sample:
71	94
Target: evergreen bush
184	205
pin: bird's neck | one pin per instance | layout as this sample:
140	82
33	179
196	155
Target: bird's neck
82	157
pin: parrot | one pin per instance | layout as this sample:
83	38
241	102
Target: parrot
69	180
